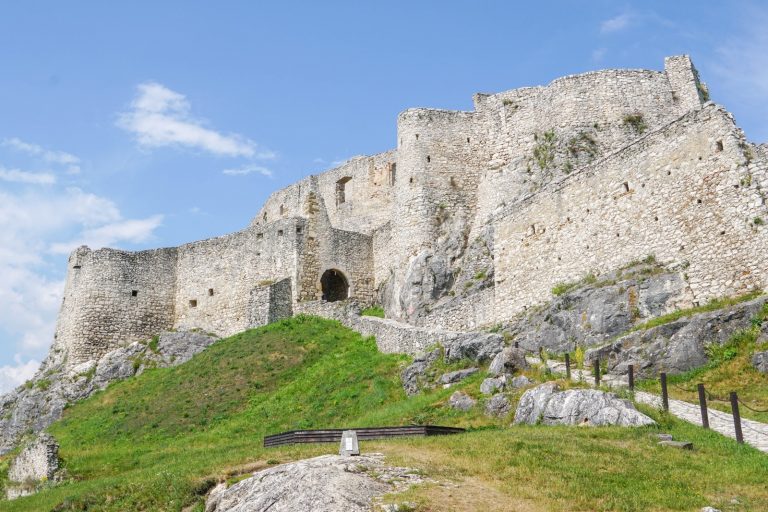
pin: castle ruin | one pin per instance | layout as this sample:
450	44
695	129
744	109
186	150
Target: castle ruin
472	218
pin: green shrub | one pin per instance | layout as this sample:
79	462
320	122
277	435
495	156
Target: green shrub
376	311
544	151
636	122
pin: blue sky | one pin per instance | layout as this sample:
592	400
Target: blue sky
143	124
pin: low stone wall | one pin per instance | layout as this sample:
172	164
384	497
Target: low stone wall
392	337
37	463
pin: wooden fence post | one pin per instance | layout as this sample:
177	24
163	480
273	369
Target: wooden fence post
703	405
736	417
664	393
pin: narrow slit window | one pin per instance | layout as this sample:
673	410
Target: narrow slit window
626	186
429	158
719	146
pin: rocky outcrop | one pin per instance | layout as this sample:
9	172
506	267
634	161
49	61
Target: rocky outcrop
600	308
760	361
508	361
678	346
492	384
457	376
330	483
498	405
550	406
417	373
461	401
41	401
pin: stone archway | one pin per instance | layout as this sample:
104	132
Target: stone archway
335	285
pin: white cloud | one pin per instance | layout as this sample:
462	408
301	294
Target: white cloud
248	169
14	376
616	23
32	178
54	157
162	117
37	224
133	231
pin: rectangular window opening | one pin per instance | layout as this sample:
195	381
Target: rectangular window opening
626	186
134	293
210	292
279	232
193	303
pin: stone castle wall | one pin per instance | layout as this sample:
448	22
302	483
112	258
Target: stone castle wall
685	194
582	175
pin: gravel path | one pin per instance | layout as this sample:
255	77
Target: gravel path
755	433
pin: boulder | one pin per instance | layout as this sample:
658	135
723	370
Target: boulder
508	361
550	406
520	381
457	376
330	483
498	406
491	385
461	401
475	346
760	361
415	374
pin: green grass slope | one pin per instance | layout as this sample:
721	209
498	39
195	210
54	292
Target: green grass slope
160	441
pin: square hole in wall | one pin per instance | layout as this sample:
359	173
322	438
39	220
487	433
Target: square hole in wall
298	230
279	232
134	293
193	303
259	236
210	292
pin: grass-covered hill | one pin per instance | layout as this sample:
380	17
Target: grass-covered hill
160	441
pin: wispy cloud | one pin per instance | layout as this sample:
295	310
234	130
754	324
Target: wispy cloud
32	178
69	160
162	117
132	231
248	169
37	223
616	23
14	376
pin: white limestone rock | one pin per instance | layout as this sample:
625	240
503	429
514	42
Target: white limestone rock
508	361
330	483
550	406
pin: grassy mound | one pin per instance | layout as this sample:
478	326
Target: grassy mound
160	441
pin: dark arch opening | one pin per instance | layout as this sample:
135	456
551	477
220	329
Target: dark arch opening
335	285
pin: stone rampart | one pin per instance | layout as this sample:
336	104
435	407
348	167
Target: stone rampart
685	194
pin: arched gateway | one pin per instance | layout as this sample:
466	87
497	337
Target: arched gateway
335	285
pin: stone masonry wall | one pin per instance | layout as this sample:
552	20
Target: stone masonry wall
113	297
686	194
37	462
270	303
